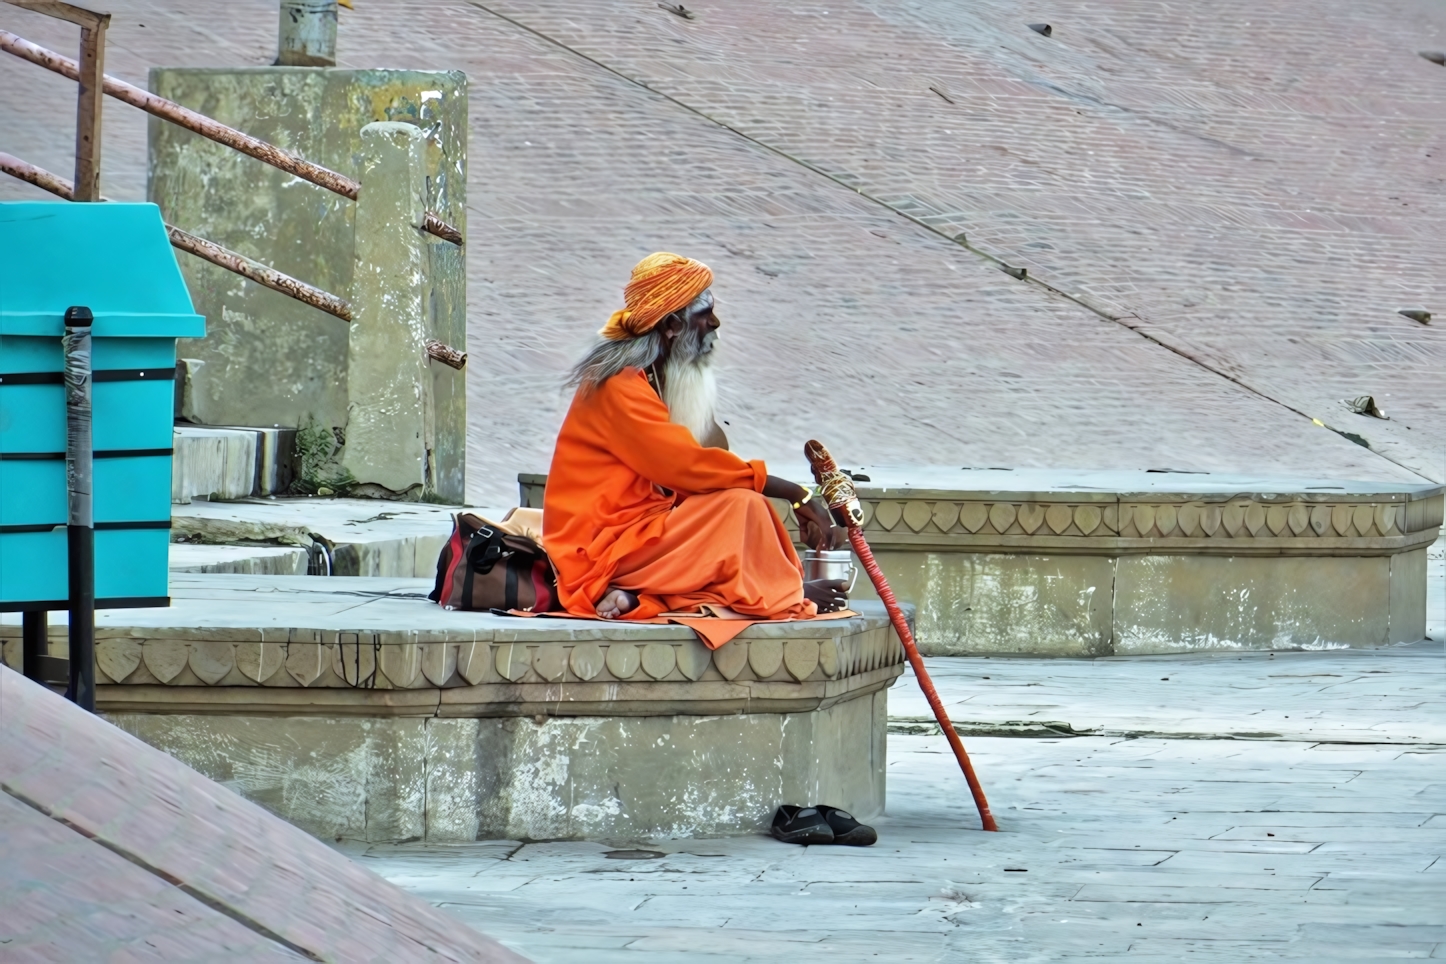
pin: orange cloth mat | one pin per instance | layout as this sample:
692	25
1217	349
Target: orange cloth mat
713	630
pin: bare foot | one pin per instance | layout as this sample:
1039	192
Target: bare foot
616	602
827	594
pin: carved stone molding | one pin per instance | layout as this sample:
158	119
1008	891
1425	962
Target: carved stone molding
777	668
1235	525
1355	519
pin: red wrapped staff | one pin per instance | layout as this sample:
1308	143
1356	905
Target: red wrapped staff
837	490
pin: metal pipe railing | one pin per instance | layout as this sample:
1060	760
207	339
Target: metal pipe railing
259	273
200	247
198	123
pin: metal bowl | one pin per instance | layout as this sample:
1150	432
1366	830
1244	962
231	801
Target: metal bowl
830	565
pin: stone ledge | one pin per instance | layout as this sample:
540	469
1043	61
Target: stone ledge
1230	526
1063	512
369	660
242	643
708	698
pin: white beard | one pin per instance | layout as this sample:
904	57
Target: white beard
691	393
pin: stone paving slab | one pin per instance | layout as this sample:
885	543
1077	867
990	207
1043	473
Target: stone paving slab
241	560
364	537
226	601
1111	849
1393	695
67	899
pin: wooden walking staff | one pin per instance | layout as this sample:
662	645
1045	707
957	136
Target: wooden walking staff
837	490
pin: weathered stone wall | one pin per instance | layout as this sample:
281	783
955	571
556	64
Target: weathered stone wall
1080	573
386	779
270	360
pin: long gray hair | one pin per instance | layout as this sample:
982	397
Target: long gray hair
607	358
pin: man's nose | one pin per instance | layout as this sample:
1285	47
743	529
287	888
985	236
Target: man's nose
712	321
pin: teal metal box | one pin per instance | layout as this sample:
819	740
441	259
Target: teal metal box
116	260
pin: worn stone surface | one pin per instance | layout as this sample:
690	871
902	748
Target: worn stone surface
1190	839
1165	603
212	463
1181	168
449	780
1389	695
269	359
62	892
226	462
364	537
116	851
988	603
307	34
391	428
248	560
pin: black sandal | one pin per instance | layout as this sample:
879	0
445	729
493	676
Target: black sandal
801	825
847	830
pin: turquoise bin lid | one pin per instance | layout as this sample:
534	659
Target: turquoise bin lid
115	259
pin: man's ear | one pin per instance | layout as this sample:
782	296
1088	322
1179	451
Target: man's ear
672	326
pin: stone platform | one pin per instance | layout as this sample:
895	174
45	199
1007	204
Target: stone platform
1120	563
1081	563
357	709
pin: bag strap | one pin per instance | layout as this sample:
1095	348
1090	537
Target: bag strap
490	545
509	595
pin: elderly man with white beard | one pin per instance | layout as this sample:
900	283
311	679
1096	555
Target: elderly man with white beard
646	511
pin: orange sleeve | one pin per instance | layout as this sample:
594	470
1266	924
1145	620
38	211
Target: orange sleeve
666	454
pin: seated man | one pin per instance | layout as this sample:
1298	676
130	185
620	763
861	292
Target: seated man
646	510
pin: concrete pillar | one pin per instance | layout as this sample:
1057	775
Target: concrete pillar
307	34
390	432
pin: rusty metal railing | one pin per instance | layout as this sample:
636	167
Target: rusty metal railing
89	73
200	247
205	126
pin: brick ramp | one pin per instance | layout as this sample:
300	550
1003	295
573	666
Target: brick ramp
114	851
1237	185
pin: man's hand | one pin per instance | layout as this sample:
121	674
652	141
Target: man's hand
828	595
815	522
816	528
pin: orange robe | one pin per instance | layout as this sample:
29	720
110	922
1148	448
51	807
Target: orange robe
607	523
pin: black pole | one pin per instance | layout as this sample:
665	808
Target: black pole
34	644
80	523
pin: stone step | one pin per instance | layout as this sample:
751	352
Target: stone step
345	537
225	462
243	560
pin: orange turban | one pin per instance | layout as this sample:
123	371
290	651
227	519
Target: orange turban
662	283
